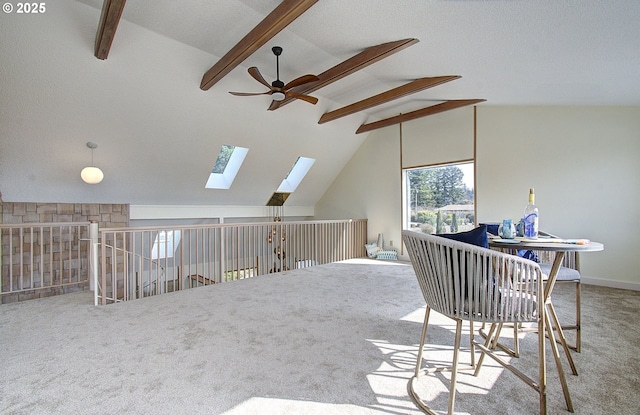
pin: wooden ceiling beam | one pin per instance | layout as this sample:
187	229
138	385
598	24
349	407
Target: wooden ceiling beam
390	95
433	109
278	19
109	19
360	61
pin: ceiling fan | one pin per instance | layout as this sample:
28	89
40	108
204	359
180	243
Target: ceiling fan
278	89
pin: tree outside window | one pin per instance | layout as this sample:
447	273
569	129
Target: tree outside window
440	199
223	159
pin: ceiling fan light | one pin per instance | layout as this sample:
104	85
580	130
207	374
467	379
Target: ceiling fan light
277	96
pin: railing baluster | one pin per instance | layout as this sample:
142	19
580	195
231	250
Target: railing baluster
100	288
68	243
129	263
126	267
31	257
52	271
138	243
58	246
21	285
29	262
10	265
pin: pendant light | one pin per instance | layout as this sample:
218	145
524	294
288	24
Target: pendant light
92	174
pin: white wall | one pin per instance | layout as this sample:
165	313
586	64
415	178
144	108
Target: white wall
369	187
583	162
154	215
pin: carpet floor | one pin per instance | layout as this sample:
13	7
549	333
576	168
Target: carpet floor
338	338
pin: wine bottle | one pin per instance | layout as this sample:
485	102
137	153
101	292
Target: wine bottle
531	217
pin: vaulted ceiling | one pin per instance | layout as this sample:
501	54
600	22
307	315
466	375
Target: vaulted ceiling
159	127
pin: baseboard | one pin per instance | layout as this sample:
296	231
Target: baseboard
625	285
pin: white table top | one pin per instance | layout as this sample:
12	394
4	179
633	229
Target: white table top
547	244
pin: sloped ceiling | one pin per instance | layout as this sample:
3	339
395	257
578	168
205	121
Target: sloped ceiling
158	133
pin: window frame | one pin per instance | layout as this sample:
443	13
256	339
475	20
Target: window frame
406	191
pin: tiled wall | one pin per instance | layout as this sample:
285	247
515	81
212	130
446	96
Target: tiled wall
106	215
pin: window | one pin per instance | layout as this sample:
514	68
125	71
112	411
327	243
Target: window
440	199
239	274
223	159
226	167
165	244
296	174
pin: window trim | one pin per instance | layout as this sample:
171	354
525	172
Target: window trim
406	208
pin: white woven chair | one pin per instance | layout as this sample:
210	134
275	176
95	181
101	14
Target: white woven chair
469	283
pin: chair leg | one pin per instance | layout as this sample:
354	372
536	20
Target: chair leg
422	340
515	352
454	370
556	353
410	386
471	345
487	341
561	338
516	340
578	338
577	345
489	346
542	366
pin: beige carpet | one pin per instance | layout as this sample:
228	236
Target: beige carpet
334	339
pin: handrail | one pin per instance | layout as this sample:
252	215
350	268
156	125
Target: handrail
229	225
131	258
42	224
126	263
43	259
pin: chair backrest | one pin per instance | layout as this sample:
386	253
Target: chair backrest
571	259
469	282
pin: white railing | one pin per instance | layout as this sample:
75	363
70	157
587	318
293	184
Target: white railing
39	259
140	262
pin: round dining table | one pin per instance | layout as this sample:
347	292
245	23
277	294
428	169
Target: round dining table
544	243
560	246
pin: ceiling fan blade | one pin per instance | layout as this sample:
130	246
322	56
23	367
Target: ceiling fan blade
248	94
308	98
358	62
274	105
255	73
304	79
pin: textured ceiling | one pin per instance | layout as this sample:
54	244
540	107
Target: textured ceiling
510	52
159	134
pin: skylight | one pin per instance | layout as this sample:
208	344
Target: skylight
296	174
226	167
